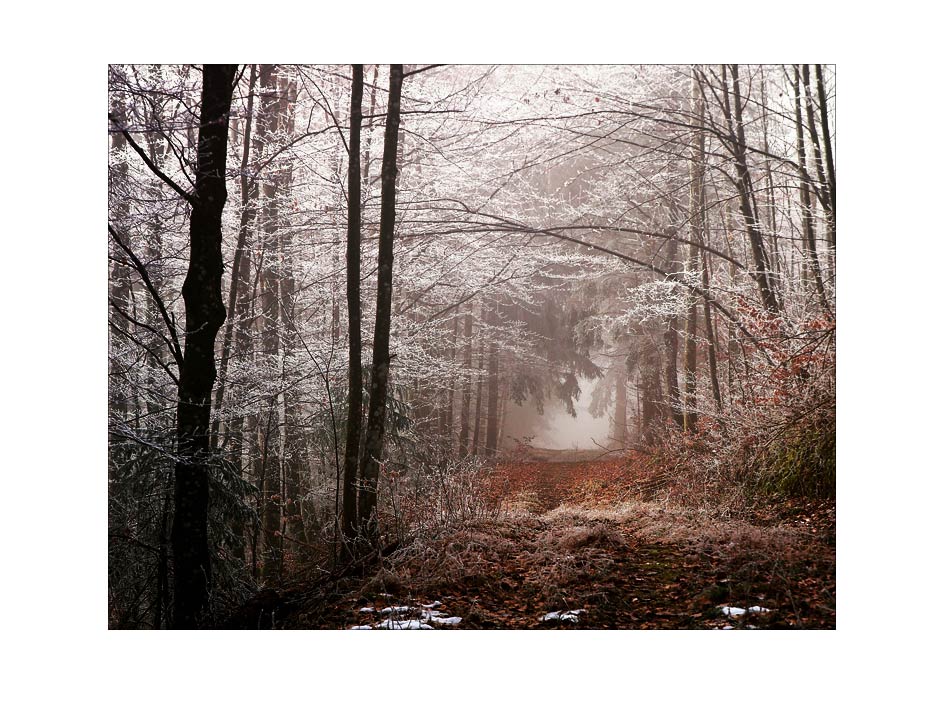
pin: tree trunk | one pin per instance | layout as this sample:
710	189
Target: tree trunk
119	282
492	415
619	409
240	262
670	340
809	233
291	442
477	418
380	371
269	476
205	313
745	189
466	390
697	221
828	150
355	377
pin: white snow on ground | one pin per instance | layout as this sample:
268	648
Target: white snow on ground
395	610
446	620
404	625
740	611
568	616
428	614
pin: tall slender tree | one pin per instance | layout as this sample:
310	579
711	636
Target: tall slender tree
355	371
205	313
380	370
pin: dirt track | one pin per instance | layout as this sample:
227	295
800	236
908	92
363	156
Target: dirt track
571	539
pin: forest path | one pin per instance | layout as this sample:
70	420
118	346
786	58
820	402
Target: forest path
572	540
540	486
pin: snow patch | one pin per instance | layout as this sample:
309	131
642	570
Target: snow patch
404	625
740	611
362	627
395	610
446	620
563	616
431	606
366	609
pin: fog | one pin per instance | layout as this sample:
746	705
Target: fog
555	428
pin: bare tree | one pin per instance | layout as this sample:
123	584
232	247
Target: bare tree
355	372
205	313
380	370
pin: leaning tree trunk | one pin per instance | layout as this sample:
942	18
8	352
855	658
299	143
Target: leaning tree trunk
205	313
380	371
355	377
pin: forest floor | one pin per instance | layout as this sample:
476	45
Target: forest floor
572	549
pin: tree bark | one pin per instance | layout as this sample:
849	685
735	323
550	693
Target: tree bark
205	313
240	263
697	222
269	476
355	376
380	371
119	282
828	150
745	189
806	207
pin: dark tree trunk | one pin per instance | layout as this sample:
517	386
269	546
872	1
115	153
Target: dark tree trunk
380	371
809	232
745	189
828	150
205	313
355	377
240	264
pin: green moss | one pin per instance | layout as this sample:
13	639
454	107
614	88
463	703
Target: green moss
802	462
